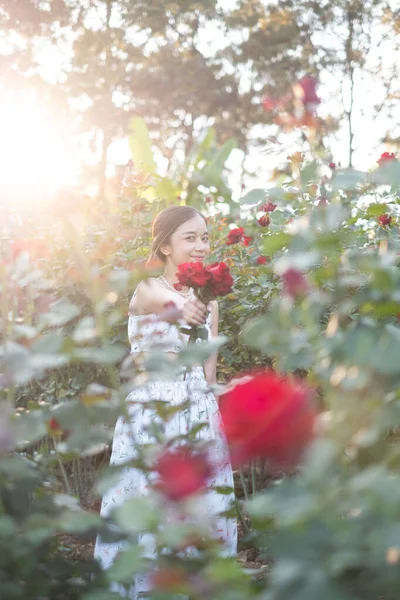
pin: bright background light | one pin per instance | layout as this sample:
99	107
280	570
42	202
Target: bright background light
37	156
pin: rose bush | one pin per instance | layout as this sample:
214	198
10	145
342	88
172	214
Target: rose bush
324	305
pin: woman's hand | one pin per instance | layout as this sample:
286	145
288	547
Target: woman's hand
195	312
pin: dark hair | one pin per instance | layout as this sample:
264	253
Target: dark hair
165	223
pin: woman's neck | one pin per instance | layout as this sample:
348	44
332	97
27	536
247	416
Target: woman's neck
170	275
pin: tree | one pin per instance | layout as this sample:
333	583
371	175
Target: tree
345	42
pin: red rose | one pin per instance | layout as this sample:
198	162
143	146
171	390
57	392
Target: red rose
268	416
170	312
169	579
246	240
294	283
221	282
193	275
54	427
305	91
386	157
235	236
207	281
269	103
182	473
55	430
261	260
385	220
268	207
264	221
332	166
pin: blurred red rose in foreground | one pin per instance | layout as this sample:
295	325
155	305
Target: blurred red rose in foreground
264	221
385	220
294	283
268	207
169	579
305	90
269	416
386	157
182	473
170	313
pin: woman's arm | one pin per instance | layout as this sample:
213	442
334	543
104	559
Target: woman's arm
210	365
151	297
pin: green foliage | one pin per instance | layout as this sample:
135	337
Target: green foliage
330	528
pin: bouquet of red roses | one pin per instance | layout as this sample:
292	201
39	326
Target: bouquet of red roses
207	281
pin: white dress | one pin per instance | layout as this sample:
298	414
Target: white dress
145	332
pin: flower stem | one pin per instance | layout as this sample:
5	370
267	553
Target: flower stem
62	469
253	478
246	494
239	513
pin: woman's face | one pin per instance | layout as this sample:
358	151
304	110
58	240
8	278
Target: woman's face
189	243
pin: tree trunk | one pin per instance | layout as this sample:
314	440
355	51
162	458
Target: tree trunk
350	72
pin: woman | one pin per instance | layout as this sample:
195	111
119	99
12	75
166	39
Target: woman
179	236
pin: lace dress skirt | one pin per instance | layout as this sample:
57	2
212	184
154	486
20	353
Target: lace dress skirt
131	432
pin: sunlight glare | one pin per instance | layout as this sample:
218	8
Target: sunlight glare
36	154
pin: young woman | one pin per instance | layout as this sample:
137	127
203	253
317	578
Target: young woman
179	235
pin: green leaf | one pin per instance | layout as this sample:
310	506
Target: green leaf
101	595
302	261
141	146
347	179
374	348
212	171
276	194
202	333
308	173
166	190
127	563
195	353
255	196
185	330
101	356
272	243
41	362
7	527
62	311
78	521
388	173
94	394
376	209
201	150
85	331
225	490
137	515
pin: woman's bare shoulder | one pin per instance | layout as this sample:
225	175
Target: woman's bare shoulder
149	297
